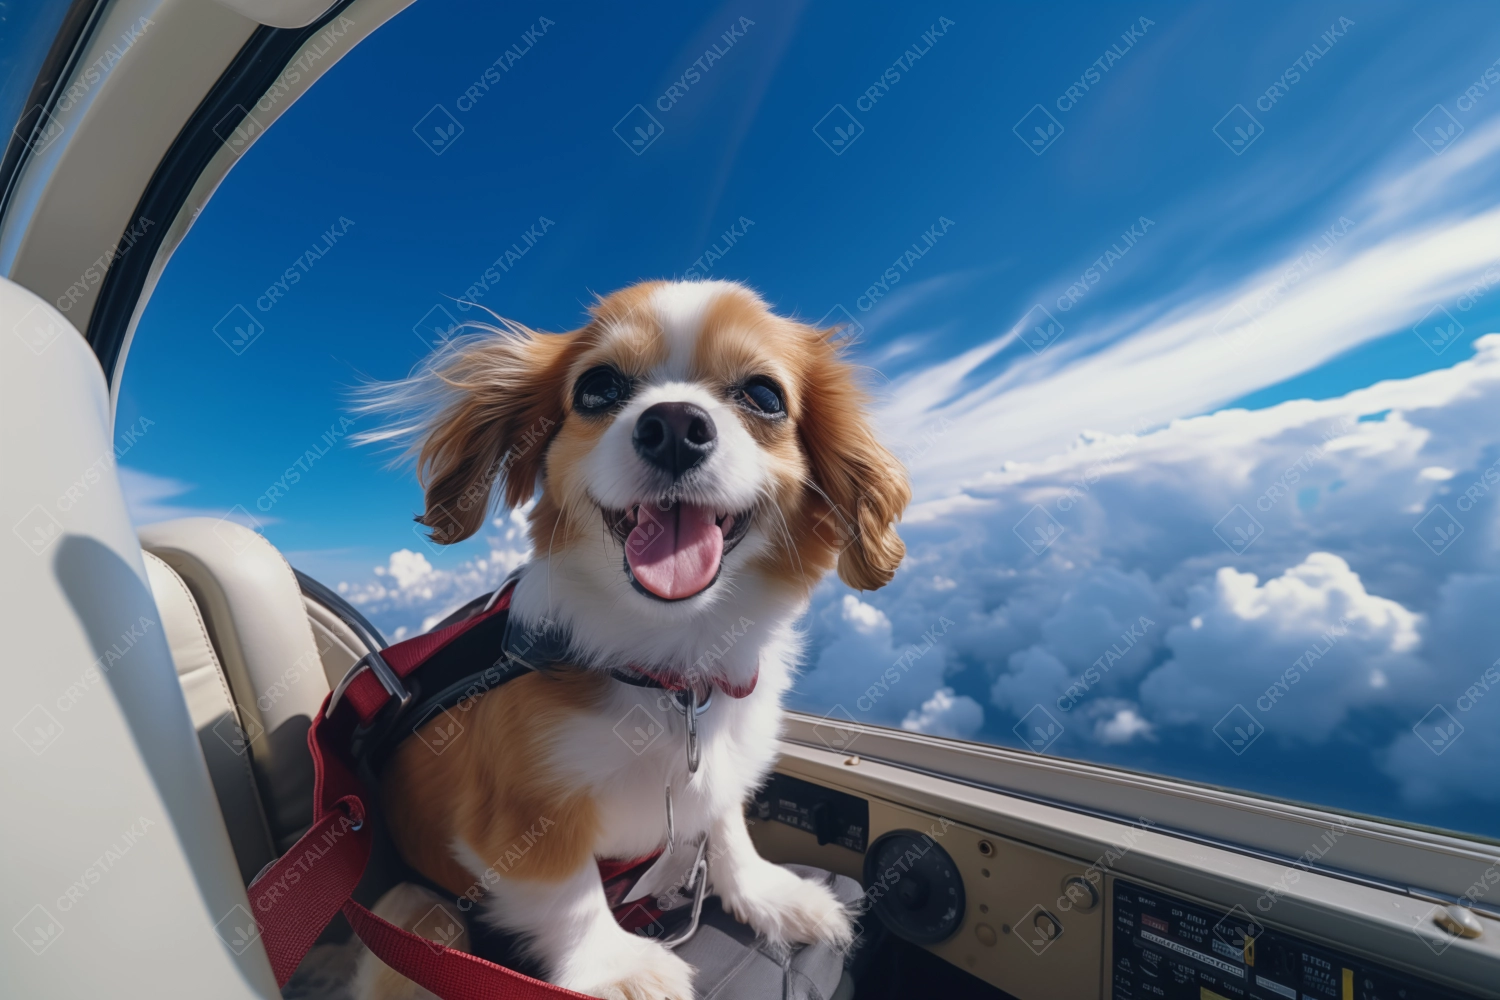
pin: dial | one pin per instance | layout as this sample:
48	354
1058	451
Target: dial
914	887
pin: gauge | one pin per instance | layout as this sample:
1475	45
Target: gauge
914	887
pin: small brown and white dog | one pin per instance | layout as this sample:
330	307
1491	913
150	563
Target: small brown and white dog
701	463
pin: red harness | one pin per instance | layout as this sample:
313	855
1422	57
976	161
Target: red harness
295	897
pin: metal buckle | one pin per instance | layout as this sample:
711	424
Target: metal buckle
698	881
691	711
374	662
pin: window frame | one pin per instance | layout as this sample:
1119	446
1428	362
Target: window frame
59	64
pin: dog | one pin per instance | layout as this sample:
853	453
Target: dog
698	464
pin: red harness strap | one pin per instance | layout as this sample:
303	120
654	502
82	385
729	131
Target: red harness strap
297	896
365	692
294	899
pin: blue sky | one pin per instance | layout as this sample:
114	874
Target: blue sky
1292	268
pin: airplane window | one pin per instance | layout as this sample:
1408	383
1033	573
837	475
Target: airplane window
1185	321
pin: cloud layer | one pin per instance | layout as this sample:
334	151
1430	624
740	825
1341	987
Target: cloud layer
1140	588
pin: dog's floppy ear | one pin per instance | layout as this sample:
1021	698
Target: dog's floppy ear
863	483
480	412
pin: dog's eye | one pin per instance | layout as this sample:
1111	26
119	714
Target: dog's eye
763	395
600	389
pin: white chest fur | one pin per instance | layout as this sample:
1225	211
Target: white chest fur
628	750
635	745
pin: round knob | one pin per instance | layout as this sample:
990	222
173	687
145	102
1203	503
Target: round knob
914	887
1081	893
913	893
1048	926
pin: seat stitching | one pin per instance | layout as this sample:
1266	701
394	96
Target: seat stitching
213	661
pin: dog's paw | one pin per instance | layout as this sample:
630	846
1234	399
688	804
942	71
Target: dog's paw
638	969
786	909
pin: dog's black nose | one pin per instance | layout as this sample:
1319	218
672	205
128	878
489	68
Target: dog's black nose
674	437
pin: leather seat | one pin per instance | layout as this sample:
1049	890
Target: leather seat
211	706
256	655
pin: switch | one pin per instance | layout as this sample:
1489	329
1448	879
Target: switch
824	826
1048	926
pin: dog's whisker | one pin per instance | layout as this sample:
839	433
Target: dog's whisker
551	546
783	529
786	535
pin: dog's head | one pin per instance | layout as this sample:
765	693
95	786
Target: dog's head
687	444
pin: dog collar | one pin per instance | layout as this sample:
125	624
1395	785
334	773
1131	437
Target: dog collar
641	677
546	645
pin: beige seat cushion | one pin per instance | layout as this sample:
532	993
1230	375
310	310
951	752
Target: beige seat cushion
212	710
257	623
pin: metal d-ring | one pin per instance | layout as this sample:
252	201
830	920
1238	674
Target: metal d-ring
691	714
676	699
698	882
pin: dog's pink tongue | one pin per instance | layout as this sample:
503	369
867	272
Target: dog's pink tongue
674	553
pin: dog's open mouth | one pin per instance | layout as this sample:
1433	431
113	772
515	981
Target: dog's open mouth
674	550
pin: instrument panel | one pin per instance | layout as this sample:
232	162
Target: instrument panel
1039	923
1005	912
1166	947
833	817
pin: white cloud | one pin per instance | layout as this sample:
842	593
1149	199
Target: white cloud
861	667
409	595
1298	652
149	498
946	714
1035	677
1122	726
1462	644
1463	770
1403	248
409	569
